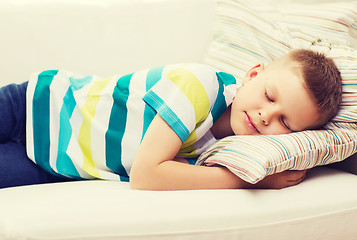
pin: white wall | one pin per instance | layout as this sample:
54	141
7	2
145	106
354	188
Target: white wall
103	37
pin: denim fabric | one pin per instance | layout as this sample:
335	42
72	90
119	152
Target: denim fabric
16	169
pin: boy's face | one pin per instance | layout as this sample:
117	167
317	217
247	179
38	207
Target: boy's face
272	101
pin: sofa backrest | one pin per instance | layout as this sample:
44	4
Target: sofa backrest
101	37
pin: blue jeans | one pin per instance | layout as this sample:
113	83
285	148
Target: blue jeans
16	169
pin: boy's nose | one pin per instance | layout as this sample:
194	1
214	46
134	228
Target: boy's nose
268	114
264	119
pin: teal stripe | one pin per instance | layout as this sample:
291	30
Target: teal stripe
153	76
220	105
226	78
167	114
41	119
306	137
347	117
78	83
191	161
279	143
337	138
116	128
64	162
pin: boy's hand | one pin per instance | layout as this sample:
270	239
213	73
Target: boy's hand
282	180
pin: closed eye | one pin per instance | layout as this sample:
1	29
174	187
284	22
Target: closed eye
268	96
282	120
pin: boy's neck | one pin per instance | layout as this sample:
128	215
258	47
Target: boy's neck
222	127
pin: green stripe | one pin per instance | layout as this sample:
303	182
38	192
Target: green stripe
41	119
116	128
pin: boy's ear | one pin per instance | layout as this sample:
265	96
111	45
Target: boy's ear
253	72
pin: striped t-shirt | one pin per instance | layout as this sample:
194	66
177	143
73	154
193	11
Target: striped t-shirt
86	127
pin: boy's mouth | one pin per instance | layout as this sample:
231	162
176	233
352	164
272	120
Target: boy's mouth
250	123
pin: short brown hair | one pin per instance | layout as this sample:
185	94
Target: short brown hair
323	81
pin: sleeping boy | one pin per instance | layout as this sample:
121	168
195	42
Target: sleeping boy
142	127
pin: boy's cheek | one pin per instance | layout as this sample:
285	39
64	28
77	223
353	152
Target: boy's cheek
276	129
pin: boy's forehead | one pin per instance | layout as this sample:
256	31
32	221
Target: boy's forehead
297	105
286	63
285	83
285	69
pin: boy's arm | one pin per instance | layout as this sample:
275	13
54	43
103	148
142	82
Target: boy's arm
154	167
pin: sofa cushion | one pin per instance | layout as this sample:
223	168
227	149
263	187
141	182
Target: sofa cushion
323	205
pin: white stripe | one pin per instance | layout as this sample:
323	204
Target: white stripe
230	92
29	123
169	68
81	94
204	142
204	136
135	120
205	126
74	151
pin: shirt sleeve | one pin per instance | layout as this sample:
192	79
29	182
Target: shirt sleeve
184	96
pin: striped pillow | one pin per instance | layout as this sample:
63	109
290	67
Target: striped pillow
249	33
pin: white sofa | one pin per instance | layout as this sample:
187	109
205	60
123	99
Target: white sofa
106	37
